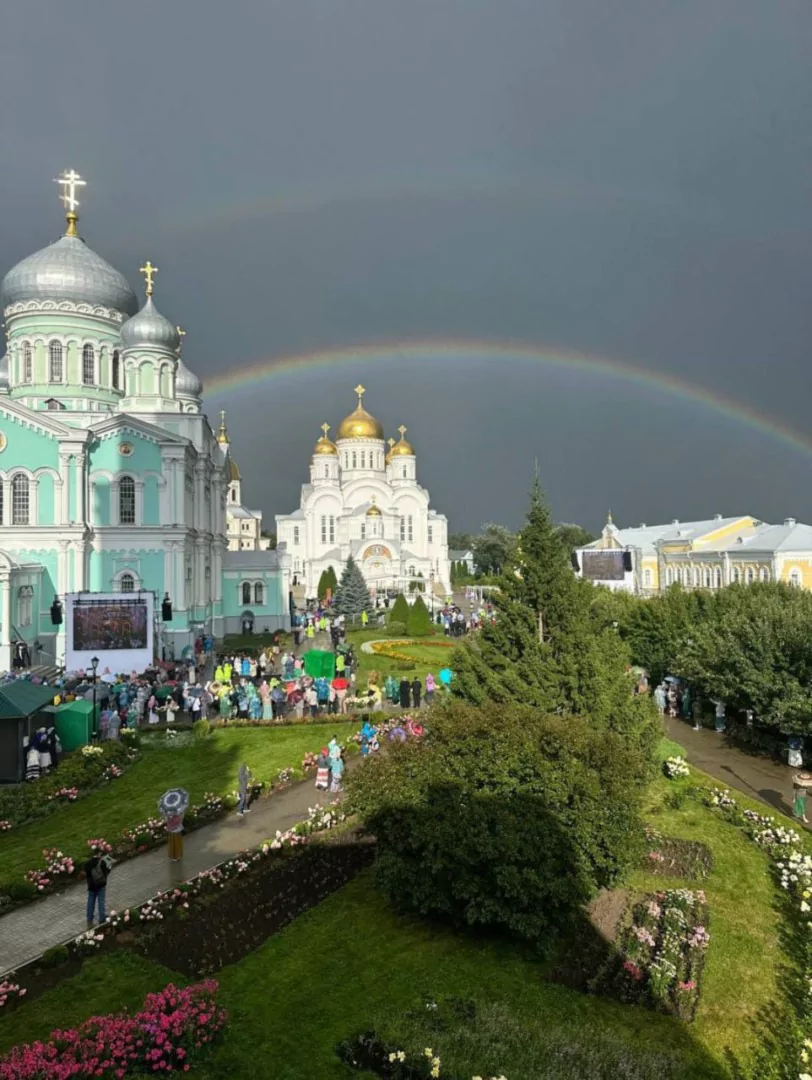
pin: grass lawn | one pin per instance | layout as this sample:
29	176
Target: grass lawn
206	765
427	657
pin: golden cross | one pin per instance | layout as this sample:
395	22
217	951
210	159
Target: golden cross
149	271
70	181
391	443
402	431
325	428
360	391
181	335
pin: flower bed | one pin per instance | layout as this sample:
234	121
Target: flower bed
671	857
392	649
676	767
171	1033
661	954
76	776
789	1052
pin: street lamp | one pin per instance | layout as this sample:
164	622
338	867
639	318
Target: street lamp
94	663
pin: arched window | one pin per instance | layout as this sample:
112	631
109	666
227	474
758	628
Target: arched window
116	376
28	363
737	575
55	362
88	366
126	583
647	578
707	578
717	577
764	574
296	534
246	592
259	592
412	572
126	501
363	459
327	470
354	459
404	472
795	578
20	503
750	575
363	532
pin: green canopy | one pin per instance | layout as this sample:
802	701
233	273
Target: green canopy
318	663
22	698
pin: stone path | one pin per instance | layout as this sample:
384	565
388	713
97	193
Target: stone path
28	931
757	776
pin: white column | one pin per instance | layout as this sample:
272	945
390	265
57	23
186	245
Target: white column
5	631
79	463
64	472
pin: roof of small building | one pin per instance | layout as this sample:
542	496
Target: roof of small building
791	536
22	698
457	555
251	560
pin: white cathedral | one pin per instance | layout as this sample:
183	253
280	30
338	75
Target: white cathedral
364	500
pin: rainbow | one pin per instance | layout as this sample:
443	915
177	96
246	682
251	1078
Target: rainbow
304	364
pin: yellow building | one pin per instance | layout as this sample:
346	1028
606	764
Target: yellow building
698	554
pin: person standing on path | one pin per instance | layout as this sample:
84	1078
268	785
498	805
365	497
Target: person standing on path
800	789
97	870
243	781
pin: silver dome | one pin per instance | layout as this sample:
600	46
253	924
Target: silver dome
187	383
68	270
149	329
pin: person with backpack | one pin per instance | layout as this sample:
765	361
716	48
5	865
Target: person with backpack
97	871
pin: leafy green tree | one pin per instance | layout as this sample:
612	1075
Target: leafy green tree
271	536
493	549
460	541
503	817
573	536
419	621
327	583
352	596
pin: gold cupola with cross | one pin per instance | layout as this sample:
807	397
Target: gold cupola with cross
401	448
360	424
325	447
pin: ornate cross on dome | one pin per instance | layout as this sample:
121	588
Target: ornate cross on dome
360	391
325	428
149	271
402	431
70	180
181	335
391	442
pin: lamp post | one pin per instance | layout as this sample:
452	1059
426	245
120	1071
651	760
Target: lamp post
94	663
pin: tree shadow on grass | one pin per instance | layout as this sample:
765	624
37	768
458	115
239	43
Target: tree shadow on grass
505	868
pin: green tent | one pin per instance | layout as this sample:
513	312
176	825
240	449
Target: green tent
23	708
318	663
74	723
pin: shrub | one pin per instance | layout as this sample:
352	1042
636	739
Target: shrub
201	728
399	612
503	817
396	629
55	957
419	622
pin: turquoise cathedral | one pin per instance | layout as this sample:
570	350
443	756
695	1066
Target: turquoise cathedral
111	478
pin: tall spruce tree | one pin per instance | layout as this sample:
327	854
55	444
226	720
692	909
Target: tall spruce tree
546	648
352	595
419	621
400	612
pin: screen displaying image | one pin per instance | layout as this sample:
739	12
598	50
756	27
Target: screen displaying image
110	625
603	565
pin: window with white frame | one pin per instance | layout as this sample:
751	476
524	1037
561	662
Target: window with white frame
332	527
736	575
259	592
409	529
363	459
403	528
20	500
324	528
707	578
116	370
126	583
326	471
647	578
717	577
404	472
88	366
363	531
795	578
296	534
431	535
763	574
412	571
750	576
246	592
126	501
354	459
28	363
25	604
55	364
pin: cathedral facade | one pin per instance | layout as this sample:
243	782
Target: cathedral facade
364	500
111	478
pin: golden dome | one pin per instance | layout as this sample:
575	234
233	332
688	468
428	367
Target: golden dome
359	424
373	511
324	445
222	433
401	448
234	472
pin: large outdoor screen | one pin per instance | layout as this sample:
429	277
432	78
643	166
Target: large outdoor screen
603	565
98	627
115	628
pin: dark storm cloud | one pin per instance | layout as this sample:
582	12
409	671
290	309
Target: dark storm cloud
629	180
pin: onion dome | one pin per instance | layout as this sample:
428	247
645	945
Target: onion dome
4	374
187	384
222	431
373	511
68	270
233	470
401	448
324	446
359	424
149	329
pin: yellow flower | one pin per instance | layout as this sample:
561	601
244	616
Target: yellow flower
428	1052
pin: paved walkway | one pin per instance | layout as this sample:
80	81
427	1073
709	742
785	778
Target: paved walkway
28	931
757	776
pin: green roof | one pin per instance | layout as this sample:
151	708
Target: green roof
22	698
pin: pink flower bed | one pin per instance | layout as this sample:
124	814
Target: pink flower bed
172	1030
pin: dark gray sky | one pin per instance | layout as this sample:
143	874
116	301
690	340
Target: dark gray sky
630	180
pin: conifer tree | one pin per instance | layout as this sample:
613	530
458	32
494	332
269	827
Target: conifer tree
419	621
400	611
352	595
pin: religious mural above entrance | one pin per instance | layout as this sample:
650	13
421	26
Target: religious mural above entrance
377	551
